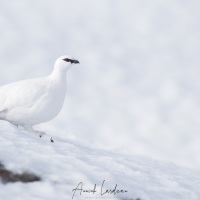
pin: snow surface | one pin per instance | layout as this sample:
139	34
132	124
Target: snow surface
64	164
136	92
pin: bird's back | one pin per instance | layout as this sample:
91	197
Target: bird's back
20	93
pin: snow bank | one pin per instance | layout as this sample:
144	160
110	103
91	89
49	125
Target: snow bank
63	165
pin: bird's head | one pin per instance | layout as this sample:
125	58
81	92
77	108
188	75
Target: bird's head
65	62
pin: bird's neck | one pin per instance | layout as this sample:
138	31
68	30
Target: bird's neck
58	75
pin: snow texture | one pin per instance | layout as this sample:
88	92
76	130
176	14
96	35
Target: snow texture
64	164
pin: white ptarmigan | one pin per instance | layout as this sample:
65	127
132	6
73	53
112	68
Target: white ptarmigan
29	102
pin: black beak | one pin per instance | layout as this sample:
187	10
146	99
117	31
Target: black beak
75	61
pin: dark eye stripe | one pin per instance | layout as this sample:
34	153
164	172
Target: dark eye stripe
68	60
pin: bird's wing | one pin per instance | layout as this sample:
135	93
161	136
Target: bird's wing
22	93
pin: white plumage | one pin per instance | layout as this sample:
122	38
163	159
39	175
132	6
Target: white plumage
30	102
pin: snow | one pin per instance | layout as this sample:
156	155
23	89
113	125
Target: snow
132	105
64	164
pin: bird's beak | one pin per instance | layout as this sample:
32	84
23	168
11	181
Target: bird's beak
75	61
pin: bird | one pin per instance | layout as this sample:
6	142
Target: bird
30	102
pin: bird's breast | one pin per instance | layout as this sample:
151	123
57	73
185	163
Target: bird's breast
52	102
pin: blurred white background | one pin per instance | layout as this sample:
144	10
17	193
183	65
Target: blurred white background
137	89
